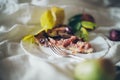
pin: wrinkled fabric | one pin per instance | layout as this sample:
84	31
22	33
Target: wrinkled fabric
19	18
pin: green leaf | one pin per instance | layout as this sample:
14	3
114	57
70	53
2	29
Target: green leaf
75	22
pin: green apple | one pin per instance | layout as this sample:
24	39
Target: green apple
95	69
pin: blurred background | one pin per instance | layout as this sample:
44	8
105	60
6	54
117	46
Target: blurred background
106	3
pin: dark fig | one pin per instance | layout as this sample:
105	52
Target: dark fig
88	17
114	35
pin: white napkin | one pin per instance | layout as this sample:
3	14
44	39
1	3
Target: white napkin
18	19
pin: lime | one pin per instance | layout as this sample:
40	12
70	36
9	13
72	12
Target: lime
49	19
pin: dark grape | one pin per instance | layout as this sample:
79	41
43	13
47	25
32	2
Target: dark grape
115	35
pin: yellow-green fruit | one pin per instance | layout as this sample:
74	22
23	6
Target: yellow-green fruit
84	34
51	18
47	20
95	69
58	14
88	25
29	39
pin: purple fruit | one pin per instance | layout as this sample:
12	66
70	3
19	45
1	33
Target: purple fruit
88	17
115	35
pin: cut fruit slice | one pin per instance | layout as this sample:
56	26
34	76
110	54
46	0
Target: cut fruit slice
84	34
88	25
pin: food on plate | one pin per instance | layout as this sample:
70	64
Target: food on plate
95	69
70	42
72	36
48	20
114	35
81	24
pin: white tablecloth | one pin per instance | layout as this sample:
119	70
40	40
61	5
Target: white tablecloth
18	18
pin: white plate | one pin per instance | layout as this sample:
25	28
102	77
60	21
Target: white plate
99	44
